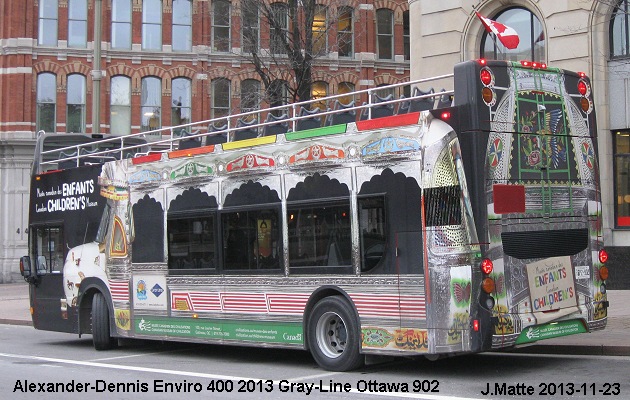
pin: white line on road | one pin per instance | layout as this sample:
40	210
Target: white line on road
189	374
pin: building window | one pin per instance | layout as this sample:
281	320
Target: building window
279	28
319	89
46	102
120	105
385	34
406	35
530	32
622	178
151	108
345	32
182	25
220	97
221	18
251	26
77	23
75	104
619	30
121	24
278	93
181	101
343	88
250	95
48	15
320	30
151	25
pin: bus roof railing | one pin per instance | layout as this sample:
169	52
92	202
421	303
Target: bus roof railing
103	147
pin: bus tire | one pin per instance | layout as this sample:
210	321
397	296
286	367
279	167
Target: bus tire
333	335
100	324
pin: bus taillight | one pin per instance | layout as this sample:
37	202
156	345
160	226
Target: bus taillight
603	256
486	77
488	285
486	266
583	88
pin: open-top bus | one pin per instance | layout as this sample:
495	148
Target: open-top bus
437	224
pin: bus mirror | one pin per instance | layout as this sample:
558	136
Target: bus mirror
25	266
41	265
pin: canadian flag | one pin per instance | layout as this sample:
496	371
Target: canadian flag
505	34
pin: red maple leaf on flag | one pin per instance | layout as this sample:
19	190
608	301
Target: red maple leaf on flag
506	35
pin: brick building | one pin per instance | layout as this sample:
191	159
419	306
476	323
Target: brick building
160	63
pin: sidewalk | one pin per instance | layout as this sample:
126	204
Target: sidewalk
614	340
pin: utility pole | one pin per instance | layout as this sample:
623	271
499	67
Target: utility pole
97	74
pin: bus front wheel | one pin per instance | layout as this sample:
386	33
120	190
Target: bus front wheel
100	324
333	335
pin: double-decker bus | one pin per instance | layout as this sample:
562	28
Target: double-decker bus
437	224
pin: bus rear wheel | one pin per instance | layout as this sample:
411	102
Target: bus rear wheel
101	337
333	335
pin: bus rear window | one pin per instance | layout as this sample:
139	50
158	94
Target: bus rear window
443	205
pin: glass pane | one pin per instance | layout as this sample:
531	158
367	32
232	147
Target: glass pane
250	95
620	37
46	88
121	35
76	89
151	37
222	39
150	118
46	117
181	99
622	177
372	230
221	16
182	38
152	11
345	87
120	120
182	12
221	93
320	236
121	10
120	91
530	31
77	9
151	91
48	9
74	122
385	47
47	32
77	34
191	243
318	90
384	22
251	240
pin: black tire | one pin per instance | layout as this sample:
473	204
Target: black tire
333	335
101	337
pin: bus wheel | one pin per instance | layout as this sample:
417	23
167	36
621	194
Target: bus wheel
100	324
333	335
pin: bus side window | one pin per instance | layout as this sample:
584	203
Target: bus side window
373	236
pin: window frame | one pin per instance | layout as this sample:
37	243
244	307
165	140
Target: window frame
225	109
48	253
47	36
113	119
181	105
276	45
178	24
384	36
40	102
217	26
115	42
320	30
147	45
144	104
191	217
81	105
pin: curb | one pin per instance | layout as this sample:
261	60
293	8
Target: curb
571	349
8	321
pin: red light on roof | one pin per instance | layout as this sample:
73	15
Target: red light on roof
543	66
483	61
525	63
581	74
535	65
445	115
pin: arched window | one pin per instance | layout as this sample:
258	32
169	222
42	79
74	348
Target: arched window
75	104
121	24
120	105
182	25
151	25
343	88
220	97
278	93
46	102
619	30
181	99
151	104
319	89
250	95
530	32
385	34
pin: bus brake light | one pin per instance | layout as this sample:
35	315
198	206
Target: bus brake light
486	76
486	266
476	325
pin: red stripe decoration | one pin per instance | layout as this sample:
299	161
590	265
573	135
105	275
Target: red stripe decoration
119	289
243	302
389	122
286	303
146	159
205	301
389	306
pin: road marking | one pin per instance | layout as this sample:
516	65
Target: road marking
189	374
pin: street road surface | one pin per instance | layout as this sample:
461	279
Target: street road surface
63	366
